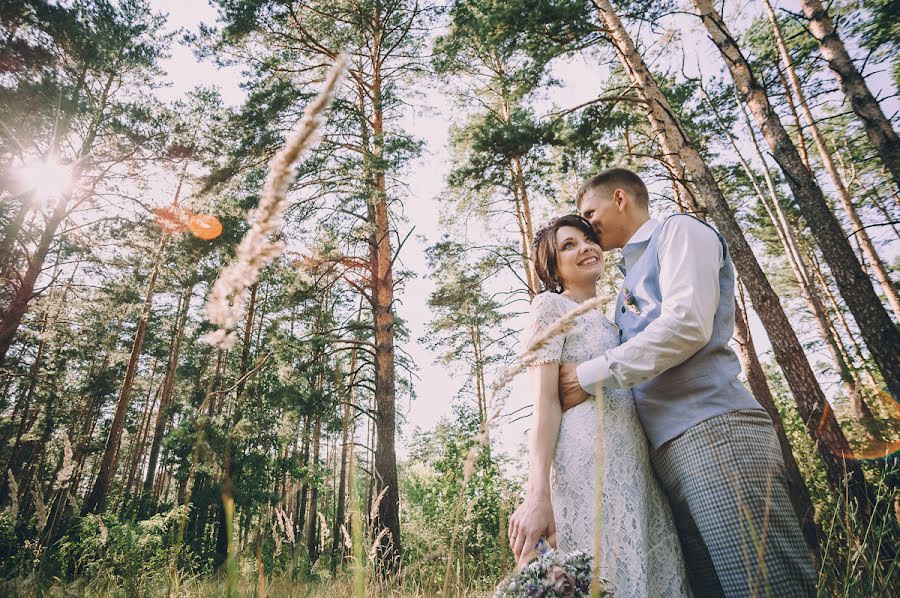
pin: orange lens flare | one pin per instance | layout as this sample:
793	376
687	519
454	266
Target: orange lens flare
175	219
871	449
876	449
204	226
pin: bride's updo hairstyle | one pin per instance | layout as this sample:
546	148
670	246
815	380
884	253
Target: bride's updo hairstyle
544	256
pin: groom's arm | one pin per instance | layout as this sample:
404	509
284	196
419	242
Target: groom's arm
690	257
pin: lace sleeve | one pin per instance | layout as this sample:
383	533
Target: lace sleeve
546	309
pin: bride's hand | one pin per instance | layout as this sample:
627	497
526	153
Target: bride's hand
532	520
570	391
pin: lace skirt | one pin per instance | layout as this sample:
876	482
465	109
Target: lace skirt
640	553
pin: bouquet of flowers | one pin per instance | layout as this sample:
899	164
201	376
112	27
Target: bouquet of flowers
552	575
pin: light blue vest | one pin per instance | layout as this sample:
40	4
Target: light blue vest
703	386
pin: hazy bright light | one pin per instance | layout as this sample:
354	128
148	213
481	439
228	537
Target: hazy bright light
48	180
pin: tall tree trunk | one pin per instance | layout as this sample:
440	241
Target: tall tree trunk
136	454
531	279
168	387
878	128
312	534
824	152
813	407
836	307
347	392
12	317
300	507
225	544
10	320
881	335
794	256
96	499
389	550
22	408
9	238
759	386
523	204
795	116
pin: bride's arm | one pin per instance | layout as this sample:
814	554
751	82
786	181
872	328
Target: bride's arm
534	517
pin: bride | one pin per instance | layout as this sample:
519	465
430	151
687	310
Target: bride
640	551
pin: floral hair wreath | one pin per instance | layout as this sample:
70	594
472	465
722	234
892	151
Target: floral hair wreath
539	235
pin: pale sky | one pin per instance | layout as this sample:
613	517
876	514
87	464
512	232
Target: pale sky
581	82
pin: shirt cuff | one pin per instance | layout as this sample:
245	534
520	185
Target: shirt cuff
593	372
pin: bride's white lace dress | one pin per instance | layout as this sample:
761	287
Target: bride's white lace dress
641	555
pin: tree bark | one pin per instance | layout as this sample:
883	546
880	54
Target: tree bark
346	391
759	386
795	258
389	551
10	321
136	455
168	388
12	318
881	274
880	334
23	405
312	533
300	513
96	499
9	238
813	407
878	128
225	544
528	230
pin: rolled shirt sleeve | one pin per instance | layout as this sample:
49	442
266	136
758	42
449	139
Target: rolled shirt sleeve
690	258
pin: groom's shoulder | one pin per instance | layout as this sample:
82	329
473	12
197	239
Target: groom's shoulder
688	227
691	235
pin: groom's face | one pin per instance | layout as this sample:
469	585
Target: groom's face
603	208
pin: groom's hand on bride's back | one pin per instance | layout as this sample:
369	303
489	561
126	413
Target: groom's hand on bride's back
570	391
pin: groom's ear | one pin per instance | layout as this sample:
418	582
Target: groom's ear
620	198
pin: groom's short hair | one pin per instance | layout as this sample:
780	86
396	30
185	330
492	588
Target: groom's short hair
616	178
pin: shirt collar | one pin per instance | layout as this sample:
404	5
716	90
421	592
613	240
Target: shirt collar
642	234
635	246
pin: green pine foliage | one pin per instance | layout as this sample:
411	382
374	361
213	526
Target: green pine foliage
296	404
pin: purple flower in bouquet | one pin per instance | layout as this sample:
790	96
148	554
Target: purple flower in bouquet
552	575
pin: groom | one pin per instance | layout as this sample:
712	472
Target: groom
712	445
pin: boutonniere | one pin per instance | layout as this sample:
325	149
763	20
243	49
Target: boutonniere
631	303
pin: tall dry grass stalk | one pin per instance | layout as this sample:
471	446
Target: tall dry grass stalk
13	496
356	531
599	469
496	403
230	291
68	466
232	573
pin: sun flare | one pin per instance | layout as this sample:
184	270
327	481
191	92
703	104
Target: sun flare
47	180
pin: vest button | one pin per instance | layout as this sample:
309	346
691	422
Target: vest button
623	309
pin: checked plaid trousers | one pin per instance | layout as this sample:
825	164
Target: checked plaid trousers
724	478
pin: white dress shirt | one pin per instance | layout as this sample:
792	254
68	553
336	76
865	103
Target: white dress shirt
690	257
